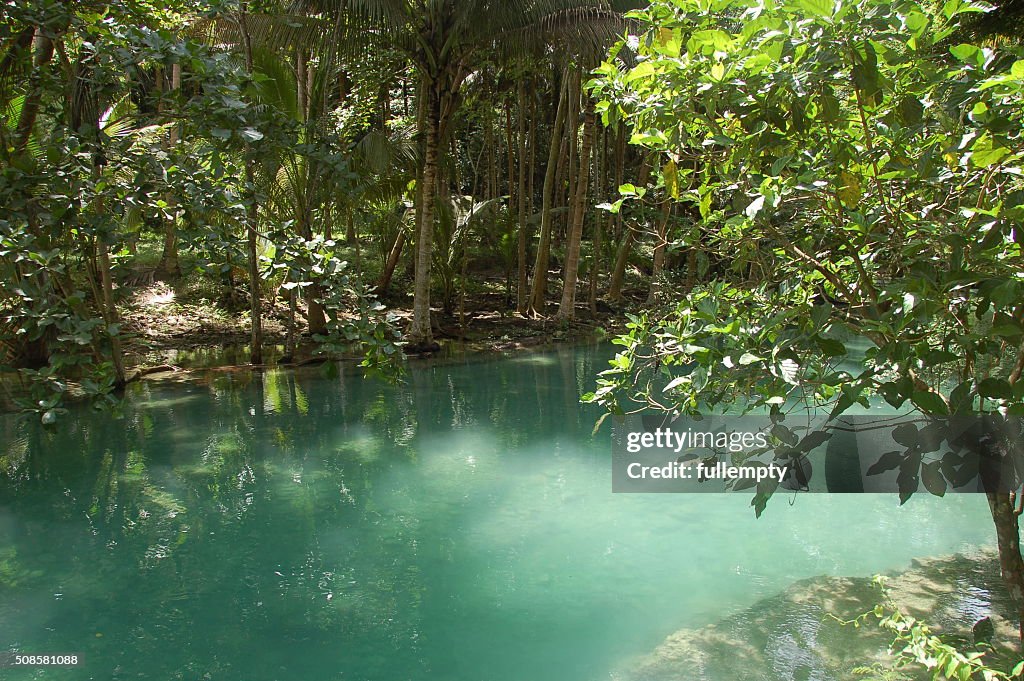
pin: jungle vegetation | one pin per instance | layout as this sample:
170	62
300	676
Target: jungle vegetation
765	185
856	166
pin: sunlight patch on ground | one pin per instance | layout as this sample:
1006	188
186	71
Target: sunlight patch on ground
156	296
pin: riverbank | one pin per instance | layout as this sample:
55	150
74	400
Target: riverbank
798	634
170	327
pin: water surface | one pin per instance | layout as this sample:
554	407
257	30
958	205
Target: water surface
459	527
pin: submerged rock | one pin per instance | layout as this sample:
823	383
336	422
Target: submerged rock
798	634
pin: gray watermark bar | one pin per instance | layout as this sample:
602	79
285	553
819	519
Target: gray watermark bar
856	453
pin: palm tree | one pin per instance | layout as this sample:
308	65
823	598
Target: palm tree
446	40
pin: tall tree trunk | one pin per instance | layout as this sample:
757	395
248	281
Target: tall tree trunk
420	335
17	48
1011	565
350	231
316	319
540	266
110	315
251	223
289	340
531	172
572	157
350	217
620	165
601	180
659	252
252	245
691	267
521	196
389	267
315	316
567	309
169	264
622	256
302	85
619	271
33	98
492	173
513	198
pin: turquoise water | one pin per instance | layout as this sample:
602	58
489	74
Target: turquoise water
459	527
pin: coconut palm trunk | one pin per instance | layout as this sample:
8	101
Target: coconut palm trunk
169	264
601	181
447	40
521	294
567	308
251	222
420	335
540	266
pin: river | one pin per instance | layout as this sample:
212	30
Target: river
459	526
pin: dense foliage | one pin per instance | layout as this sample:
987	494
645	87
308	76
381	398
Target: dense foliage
855	172
827	195
294	165
864	183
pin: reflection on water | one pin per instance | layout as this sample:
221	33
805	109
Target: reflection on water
459	527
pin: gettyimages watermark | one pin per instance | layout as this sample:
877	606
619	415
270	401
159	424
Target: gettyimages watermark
850	454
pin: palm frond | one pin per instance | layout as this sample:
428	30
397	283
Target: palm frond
583	33
271	32
378	150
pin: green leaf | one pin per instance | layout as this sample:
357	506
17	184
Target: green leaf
669	42
965	52
929	402
644	69
931	476
887	462
675	383
785	435
995	388
916	22
788	370
986	152
906	434
816	8
911	110
718	40
670	173
831	347
813	440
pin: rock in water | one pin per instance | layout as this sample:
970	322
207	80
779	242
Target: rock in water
797	634
983	630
